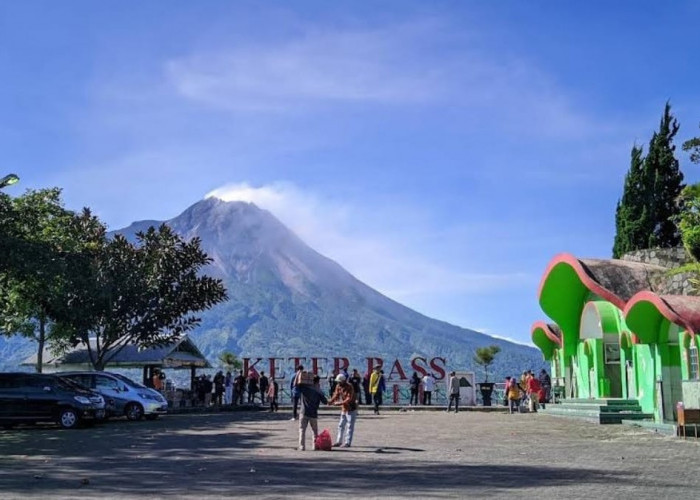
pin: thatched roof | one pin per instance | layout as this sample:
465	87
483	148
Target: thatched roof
682	310
183	353
621	277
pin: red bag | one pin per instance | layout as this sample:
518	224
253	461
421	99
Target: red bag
323	441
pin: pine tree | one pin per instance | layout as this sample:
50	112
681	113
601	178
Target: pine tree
663	170
645	215
632	221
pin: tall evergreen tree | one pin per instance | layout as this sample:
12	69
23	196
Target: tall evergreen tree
632	220
646	214
663	170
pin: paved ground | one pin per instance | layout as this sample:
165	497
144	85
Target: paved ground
408	454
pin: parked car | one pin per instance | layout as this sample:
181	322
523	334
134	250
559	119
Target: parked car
35	397
124	396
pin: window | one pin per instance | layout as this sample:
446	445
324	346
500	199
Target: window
106	383
693	361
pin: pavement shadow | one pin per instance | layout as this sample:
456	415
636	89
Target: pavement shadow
205	456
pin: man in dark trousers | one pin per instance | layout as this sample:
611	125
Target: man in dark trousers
264	384
238	388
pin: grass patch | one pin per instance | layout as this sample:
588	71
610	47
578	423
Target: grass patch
693	267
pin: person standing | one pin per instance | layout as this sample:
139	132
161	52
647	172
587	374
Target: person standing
238	388
156	381
208	386
365	387
344	396
218	388
252	388
311	399
296	395
331	384
272	394
428	386
264	384
228	388
514	394
414	384
546	383
356	383
374	382
453	392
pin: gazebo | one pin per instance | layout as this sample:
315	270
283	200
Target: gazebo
178	355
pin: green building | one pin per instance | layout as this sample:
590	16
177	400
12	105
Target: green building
616	334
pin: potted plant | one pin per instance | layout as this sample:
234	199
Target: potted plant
484	357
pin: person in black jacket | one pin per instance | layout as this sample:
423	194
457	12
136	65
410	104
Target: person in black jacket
414	384
264	384
311	399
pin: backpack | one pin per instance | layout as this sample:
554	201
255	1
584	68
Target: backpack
323	441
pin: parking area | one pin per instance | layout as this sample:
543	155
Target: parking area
396	454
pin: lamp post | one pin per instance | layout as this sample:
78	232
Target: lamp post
8	180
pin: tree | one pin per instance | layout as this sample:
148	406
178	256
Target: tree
144	294
693	145
646	213
484	357
632	218
36	233
689	220
230	361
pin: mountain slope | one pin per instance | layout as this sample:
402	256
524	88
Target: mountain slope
286	299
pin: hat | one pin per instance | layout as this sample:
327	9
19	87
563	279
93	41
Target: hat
340	378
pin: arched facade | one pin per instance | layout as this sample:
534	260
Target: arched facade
617	338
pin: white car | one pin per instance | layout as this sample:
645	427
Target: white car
122	395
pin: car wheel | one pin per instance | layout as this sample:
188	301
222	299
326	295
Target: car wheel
152	416
68	418
134	411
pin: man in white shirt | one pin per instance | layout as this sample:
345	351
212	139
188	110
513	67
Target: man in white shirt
428	385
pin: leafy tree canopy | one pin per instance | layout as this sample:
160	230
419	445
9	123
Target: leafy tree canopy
484	357
145	293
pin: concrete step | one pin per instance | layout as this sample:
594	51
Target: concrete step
597	407
593	415
603	401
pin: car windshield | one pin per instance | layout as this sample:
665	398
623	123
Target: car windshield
129	381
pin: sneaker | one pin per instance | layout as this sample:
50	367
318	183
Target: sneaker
302	448
346	445
337	444
292	419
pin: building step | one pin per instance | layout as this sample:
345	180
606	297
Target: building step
595	415
603	401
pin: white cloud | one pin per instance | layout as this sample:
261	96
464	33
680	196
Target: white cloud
321	66
398	64
381	253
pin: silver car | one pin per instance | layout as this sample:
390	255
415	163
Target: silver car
122	395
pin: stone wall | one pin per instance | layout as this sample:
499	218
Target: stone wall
677	284
665	257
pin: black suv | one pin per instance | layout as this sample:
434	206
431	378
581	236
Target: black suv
34	397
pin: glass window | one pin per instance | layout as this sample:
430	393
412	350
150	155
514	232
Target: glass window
103	382
693	361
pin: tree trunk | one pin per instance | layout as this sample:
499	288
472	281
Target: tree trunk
42	340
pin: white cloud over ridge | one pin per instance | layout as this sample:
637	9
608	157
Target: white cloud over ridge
390	261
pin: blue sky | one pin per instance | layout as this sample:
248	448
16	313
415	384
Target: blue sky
442	152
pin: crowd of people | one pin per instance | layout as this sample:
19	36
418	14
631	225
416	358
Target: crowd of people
529	392
346	391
